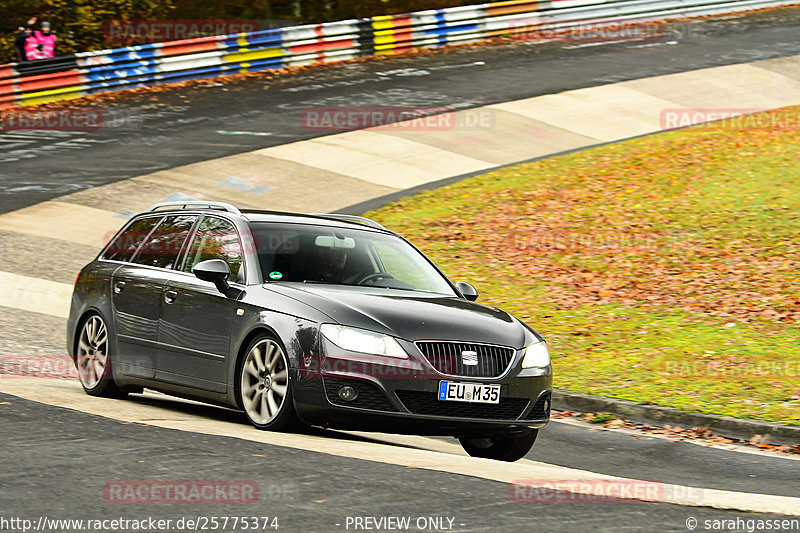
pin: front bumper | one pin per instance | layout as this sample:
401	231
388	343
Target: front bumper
401	396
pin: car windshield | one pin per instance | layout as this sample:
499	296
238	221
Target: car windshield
343	256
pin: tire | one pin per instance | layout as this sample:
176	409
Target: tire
93	358
511	447
263	388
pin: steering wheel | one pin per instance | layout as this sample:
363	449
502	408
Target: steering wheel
375	275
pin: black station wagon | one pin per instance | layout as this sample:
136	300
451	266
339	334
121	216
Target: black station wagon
321	319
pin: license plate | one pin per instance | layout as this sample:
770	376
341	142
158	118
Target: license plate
453	391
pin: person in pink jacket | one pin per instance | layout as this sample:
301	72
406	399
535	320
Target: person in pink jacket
33	48
23	32
47	40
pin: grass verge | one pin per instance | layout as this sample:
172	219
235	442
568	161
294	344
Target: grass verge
664	270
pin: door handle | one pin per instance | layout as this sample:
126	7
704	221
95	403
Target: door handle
119	286
169	296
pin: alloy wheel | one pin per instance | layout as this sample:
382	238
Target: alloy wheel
92	356
264	382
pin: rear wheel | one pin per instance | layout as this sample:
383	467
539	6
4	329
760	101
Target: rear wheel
263	387
510	447
93	359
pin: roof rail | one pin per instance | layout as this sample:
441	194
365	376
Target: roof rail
352	218
189	204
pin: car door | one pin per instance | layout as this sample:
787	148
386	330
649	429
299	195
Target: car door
195	326
135	293
137	287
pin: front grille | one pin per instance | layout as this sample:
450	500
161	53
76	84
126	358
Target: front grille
428	403
541	409
369	396
447	358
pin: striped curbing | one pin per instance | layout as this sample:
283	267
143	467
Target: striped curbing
604	113
35	295
66	221
377	158
760	85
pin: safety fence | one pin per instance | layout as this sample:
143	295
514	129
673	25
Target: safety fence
75	75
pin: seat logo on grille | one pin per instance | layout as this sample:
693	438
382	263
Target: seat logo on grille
469	358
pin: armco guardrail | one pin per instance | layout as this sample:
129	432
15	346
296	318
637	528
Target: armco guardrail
76	75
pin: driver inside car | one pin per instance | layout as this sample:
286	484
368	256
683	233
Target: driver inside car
339	261
332	263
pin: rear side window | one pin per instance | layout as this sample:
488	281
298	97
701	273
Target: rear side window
126	243
163	245
216	238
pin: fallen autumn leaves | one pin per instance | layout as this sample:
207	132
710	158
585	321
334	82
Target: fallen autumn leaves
663	269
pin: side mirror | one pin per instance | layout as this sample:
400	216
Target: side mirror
216	271
467	291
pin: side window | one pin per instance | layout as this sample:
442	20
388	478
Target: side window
163	245
126	243
216	238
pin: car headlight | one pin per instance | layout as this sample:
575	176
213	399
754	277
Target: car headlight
362	341
536	356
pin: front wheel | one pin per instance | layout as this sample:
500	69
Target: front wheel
500	447
263	387
93	359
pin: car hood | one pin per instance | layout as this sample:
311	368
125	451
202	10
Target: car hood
411	316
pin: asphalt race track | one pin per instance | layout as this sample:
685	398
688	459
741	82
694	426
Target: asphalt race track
195	125
58	462
306	491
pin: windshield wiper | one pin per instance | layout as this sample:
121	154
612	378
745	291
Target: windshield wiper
388	287
320	282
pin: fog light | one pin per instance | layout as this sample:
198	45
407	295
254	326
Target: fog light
348	393
546	406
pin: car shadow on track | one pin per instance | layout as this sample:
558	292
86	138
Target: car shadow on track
226	414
